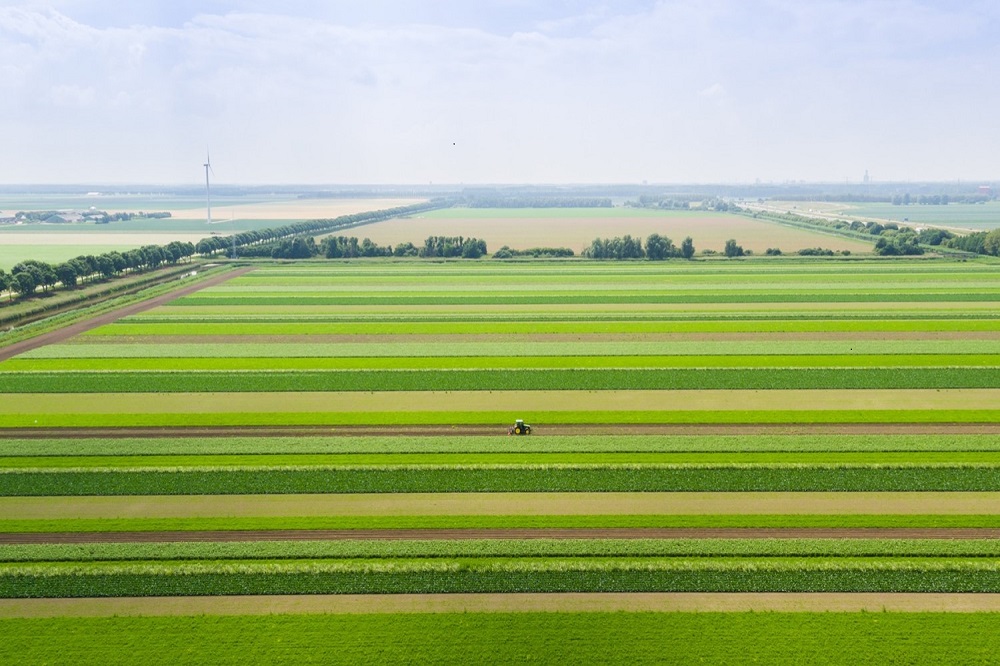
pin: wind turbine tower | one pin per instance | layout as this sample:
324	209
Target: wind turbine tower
208	190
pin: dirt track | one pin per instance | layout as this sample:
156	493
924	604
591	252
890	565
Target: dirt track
573	602
539	430
62	334
452	534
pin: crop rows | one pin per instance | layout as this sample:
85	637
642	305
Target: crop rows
541	478
493	460
373	344
508	548
742	325
505	380
344	445
507	576
599	298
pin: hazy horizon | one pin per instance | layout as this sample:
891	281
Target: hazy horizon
500	92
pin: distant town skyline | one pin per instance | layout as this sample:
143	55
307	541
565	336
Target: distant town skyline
500	91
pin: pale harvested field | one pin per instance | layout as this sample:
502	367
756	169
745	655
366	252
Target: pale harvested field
293	209
500	401
500	504
709	231
571	602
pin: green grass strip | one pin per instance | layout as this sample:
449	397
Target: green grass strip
506	638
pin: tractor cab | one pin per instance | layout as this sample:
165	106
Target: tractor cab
519	428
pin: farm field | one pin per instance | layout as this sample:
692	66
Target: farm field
577	227
59	242
958	216
709	428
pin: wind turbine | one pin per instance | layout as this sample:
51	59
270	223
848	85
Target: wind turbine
208	191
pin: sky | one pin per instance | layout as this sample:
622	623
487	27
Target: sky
498	91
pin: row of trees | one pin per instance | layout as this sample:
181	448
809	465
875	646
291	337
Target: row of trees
980	242
507	252
500	201
216	244
936	199
453	246
657	248
30	275
349	247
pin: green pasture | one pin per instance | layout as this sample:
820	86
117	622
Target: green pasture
10	255
491	638
978	217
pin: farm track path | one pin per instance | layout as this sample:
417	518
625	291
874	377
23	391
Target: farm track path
567	602
540	431
63	334
10	538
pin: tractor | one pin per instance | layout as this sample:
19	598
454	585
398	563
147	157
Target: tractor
519	428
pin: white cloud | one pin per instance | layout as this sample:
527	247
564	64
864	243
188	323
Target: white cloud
672	91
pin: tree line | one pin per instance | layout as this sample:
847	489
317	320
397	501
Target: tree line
485	201
349	247
506	252
215	244
980	242
28	276
657	248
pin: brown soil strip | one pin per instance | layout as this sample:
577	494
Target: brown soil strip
483	534
538	430
657	602
503	504
79	327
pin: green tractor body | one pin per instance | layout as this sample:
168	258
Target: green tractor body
519	428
